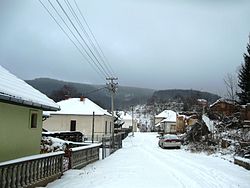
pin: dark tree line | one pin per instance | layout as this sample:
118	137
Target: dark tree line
64	93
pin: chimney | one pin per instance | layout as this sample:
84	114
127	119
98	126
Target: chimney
66	97
82	98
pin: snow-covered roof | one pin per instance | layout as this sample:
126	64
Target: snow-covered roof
125	116
169	115
202	100
15	90
157	125
74	106
168	120
209	123
223	100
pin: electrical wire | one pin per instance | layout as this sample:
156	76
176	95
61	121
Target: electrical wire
93	91
92	34
78	49
86	34
103	69
100	65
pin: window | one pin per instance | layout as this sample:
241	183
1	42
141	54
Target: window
110	127
73	125
33	120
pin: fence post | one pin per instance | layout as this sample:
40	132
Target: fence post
68	154
103	147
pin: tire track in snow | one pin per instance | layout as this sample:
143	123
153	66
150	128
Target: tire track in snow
161	156
221	178
205	175
169	170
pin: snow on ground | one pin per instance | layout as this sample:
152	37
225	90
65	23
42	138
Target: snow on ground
141	163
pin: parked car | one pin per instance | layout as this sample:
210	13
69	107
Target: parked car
169	141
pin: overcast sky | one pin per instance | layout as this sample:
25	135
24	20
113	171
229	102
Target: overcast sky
159	44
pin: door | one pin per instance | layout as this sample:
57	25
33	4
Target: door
73	125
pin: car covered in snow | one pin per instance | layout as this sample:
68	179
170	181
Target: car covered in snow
169	141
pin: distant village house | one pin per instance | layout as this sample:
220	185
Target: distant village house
166	121
245	112
224	107
184	120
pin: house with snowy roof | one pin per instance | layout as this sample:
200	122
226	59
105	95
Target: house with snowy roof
126	118
245	111
80	114
224	107
21	108
185	119
166	121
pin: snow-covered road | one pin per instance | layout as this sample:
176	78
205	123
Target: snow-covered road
141	163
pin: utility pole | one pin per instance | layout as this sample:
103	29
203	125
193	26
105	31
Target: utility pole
132	107
112	87
93	127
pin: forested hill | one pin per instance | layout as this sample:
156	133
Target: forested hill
125	97
182	95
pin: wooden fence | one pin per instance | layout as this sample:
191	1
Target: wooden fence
39	170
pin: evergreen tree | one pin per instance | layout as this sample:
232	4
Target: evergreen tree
244	78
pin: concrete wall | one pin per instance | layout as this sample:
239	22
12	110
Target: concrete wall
17	138
83	123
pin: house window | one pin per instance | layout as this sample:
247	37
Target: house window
33	119
106	127
73	125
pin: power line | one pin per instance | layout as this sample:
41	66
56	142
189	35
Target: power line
93	91
101	67
105	70
78	49
92	34
87	35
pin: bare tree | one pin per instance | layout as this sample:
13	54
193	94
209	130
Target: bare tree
230	81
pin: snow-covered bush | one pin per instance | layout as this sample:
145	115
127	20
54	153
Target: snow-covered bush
50	144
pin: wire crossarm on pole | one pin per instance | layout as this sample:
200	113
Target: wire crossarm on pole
112	86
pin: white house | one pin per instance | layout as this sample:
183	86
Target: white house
80	114
126	118
167	121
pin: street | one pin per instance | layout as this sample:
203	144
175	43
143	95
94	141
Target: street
141	163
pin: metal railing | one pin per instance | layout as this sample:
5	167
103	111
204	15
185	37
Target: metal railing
109	145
